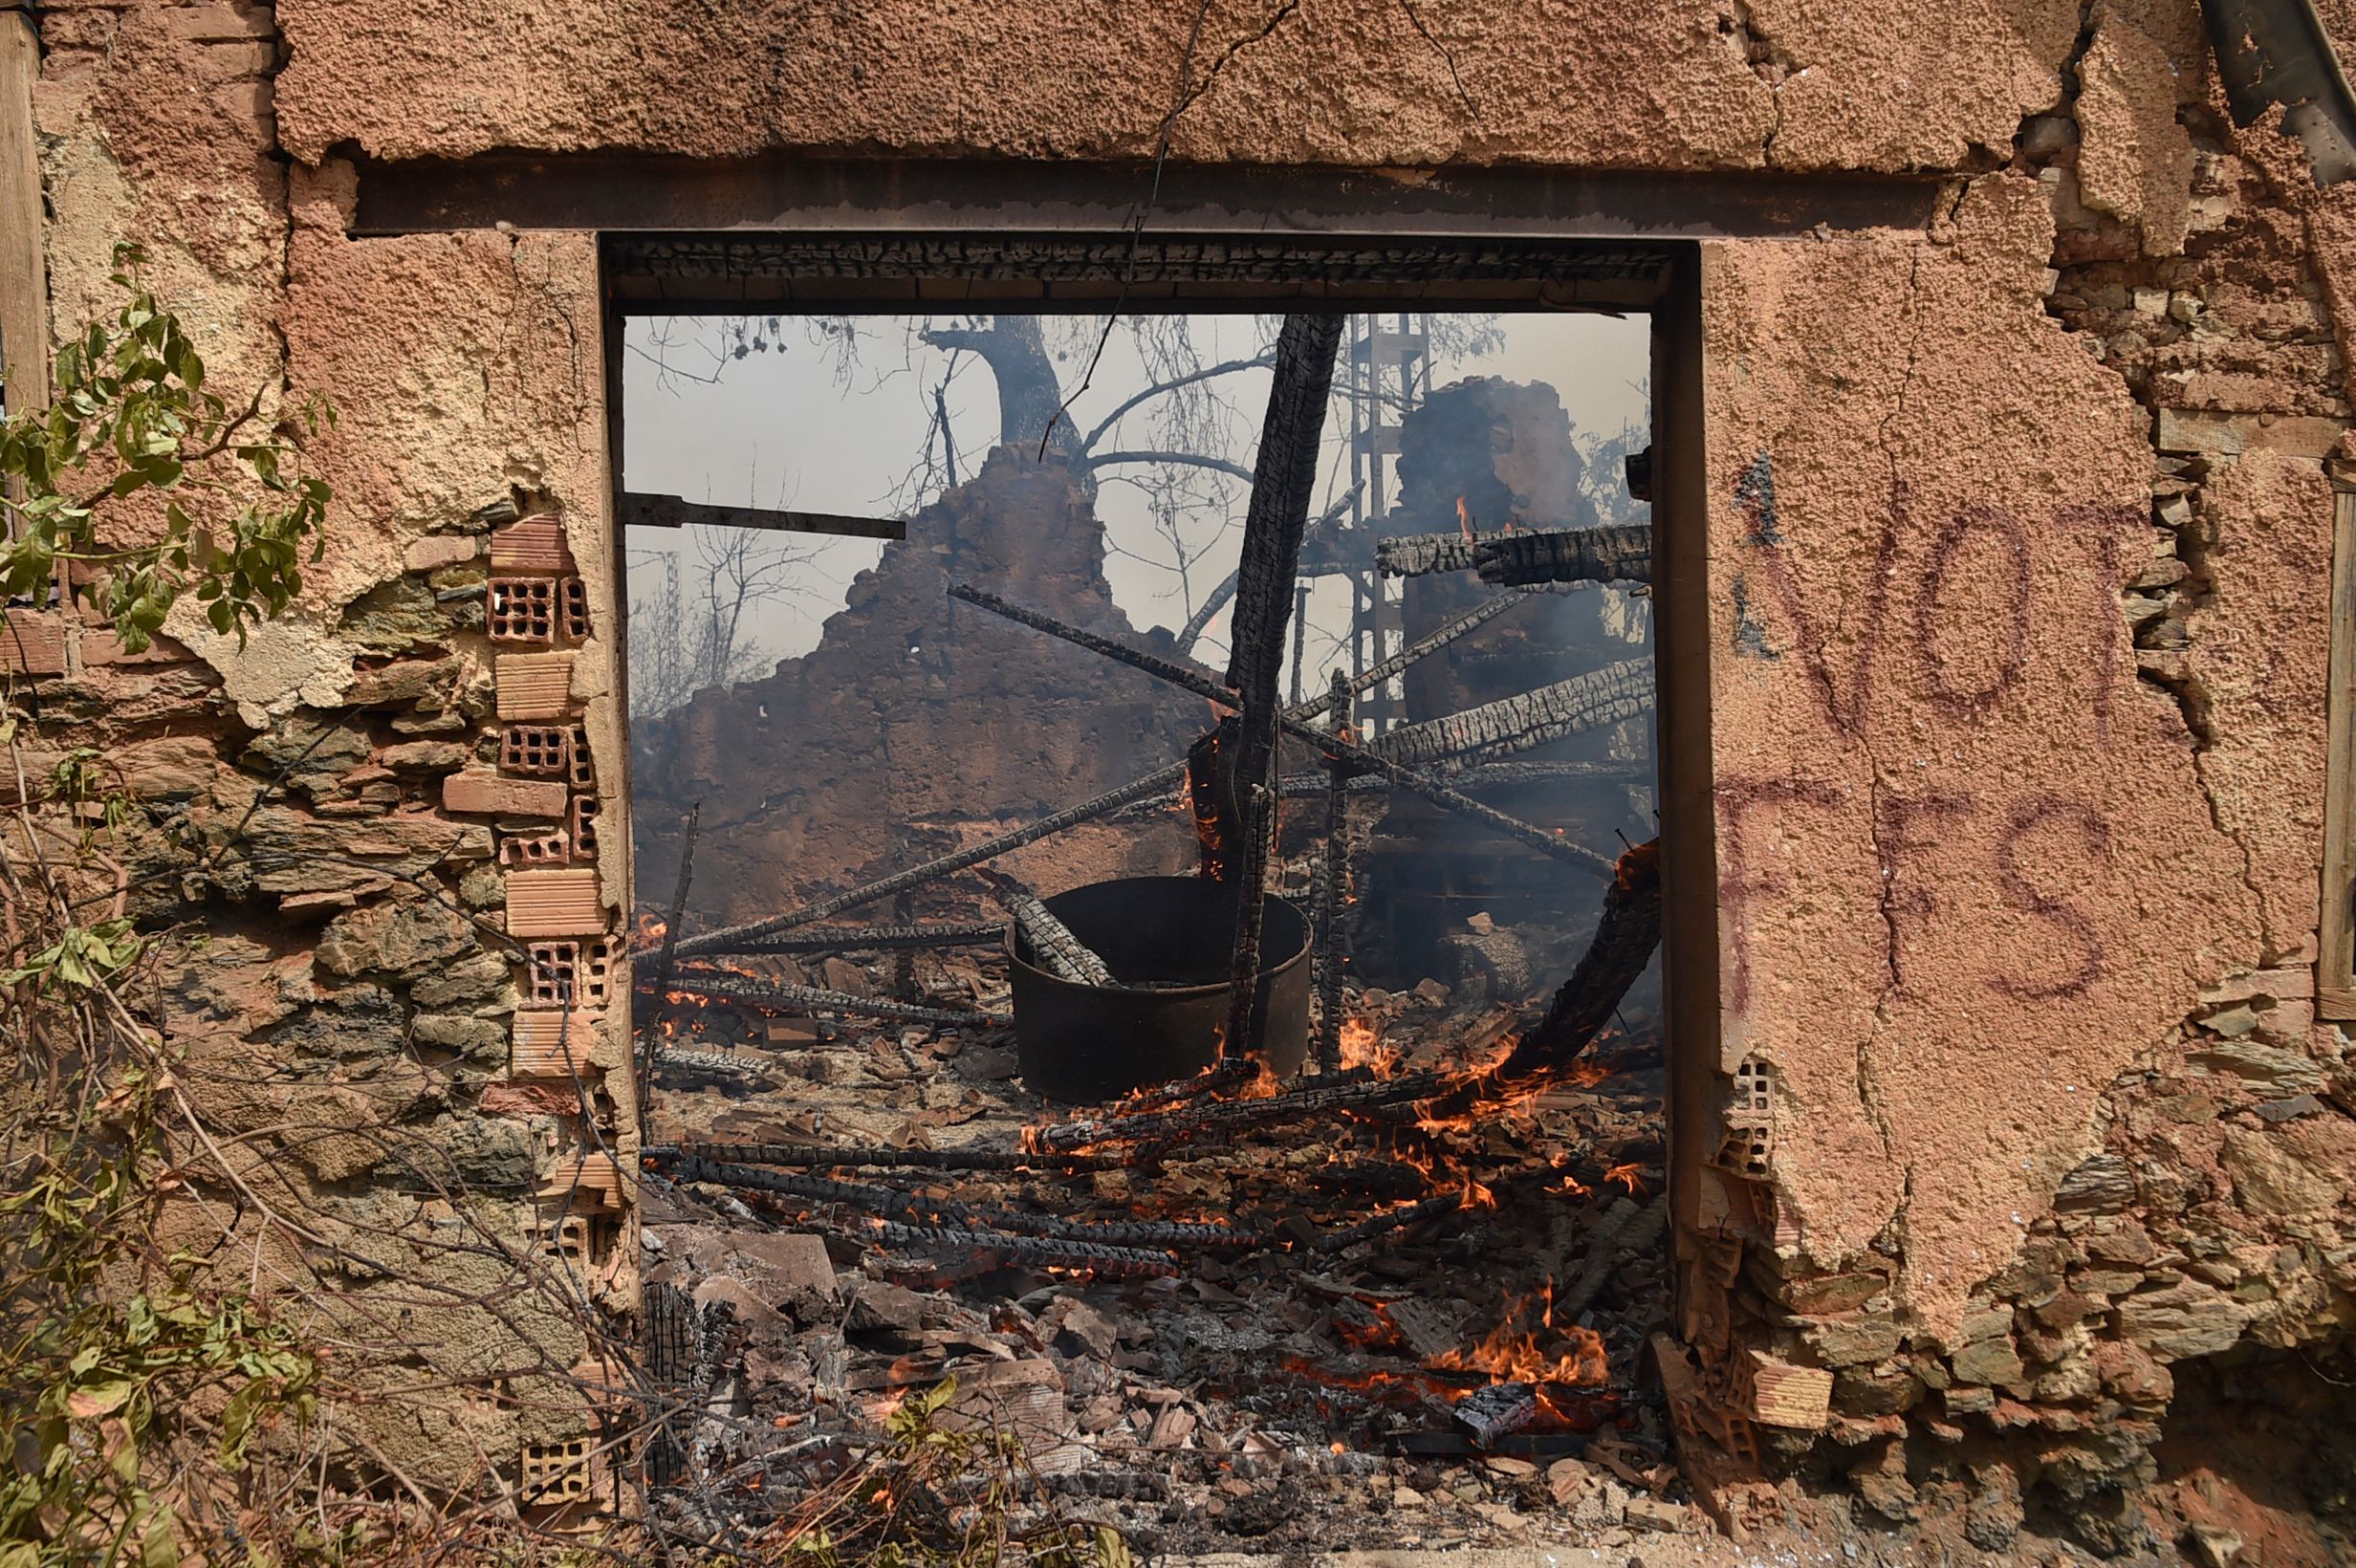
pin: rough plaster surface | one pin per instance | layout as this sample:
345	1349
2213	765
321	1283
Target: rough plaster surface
1883	85
2135	160
1968	867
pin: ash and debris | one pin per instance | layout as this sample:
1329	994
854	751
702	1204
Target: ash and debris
1419	1388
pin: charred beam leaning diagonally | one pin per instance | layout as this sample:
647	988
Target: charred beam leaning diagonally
1052	942
1513	725
1274	523
1624	944
1516	724
917	876
857	939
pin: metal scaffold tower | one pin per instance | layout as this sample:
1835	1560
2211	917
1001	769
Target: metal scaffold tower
1388	374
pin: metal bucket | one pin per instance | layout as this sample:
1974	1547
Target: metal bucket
1170	940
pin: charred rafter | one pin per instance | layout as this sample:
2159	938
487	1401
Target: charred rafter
1154	783
1619	553
1275	521
1052	942
1513	725
857	939
786	998
1562	708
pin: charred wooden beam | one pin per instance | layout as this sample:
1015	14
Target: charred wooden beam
1228	1115
676	1058
1440	794
1566	706
1511	725
1259	822
1624	944
650	1045
1331	888
1374	675
860	939
1112	1262
1392	1219
820	1157
1621	554
738	987
1496	1410
641	510
1421	555
1274	523
1052	942
1151	664
989	849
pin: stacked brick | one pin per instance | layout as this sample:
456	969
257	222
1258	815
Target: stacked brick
535	776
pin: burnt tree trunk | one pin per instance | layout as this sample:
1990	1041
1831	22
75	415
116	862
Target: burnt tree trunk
1030	397
1264	579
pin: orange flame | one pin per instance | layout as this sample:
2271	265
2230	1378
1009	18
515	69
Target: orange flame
1363	1046
1513	1354
1629	1176
1464	519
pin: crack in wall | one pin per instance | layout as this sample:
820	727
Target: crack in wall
1768	60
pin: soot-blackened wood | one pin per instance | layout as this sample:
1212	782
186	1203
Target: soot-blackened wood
1494	1411
738	987
1513	725
1259	820
1265	575
1623	945
989	849
1374	675
1274	523
1333	885
1621	553
1440	794
1052	943
1151	664
820	1156
860	939
1210	799
1228	1116
651	1044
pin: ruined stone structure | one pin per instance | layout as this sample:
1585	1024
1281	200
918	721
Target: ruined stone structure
1997	493
965	722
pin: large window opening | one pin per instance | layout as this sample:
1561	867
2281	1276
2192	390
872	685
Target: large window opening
931	622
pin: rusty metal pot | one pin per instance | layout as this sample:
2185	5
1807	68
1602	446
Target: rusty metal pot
1169	942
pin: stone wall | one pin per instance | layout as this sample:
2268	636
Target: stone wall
398	809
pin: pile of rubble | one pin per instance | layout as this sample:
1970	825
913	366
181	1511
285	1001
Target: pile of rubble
1433	1325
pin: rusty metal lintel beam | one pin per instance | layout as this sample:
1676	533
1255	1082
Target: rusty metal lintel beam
653	193
641	509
